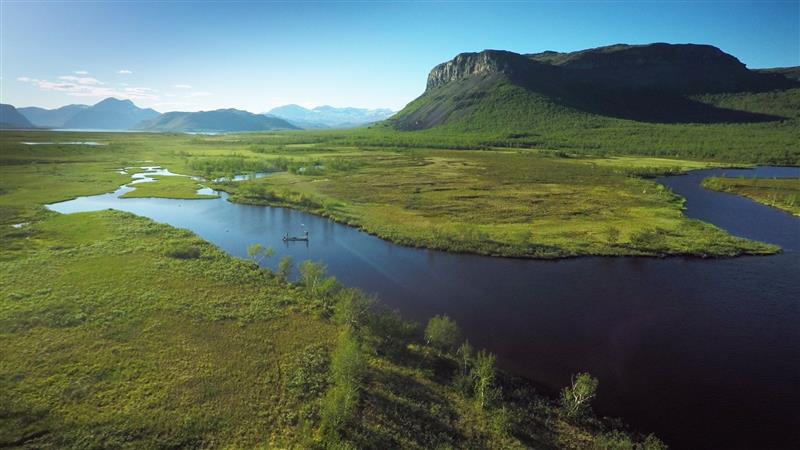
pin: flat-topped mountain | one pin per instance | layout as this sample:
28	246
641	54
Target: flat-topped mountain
220	120
329	116
652	83
51	118
10	118
792	73
110	114
682	68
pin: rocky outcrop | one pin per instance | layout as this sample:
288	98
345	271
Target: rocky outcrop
647	83
467	65
676	68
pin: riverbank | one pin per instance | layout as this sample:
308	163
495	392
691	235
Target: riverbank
540	304
781	194
520	203
118	331
512	204
112	337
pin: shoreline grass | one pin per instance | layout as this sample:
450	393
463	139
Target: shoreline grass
509	202
783	194
117	331
177	187
109	340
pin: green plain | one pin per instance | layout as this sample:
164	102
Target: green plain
107	341
168	187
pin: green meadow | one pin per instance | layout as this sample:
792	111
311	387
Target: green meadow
500	202
168	187
508	202
118	332
121	333
779	193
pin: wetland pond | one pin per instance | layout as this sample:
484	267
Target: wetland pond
703	352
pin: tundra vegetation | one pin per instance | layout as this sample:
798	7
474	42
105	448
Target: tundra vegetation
116	331
120	332
529	202
780	193
168	187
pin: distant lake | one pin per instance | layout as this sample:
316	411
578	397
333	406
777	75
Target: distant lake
705	353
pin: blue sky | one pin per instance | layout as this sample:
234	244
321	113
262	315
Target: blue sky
256	55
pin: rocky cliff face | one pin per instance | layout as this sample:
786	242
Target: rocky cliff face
677	68
647	83
466	65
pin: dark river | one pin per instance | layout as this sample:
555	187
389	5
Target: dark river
705	353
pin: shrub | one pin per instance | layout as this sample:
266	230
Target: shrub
352	308
387	332
464	354
258	253
651	442
310	375
576	398
317	284
484	375
285	267
182	250
442	333
348	367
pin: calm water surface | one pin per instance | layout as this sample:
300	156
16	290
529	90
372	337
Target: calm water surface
705	353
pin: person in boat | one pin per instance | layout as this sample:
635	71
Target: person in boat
286	237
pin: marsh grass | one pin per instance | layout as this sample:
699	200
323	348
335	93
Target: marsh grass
509	202
108	341
506	203
168	187
779	193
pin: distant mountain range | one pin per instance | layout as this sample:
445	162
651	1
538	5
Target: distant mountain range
109	114
501	90
10	118
328	116
498	91
221	120
51	118
114	114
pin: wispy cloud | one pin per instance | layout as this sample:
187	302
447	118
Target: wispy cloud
124	72
183	86
81	72
90	87
86	81
199	94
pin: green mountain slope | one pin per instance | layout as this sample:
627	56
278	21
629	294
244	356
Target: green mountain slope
658	83
221	120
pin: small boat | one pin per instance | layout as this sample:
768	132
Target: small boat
287	238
